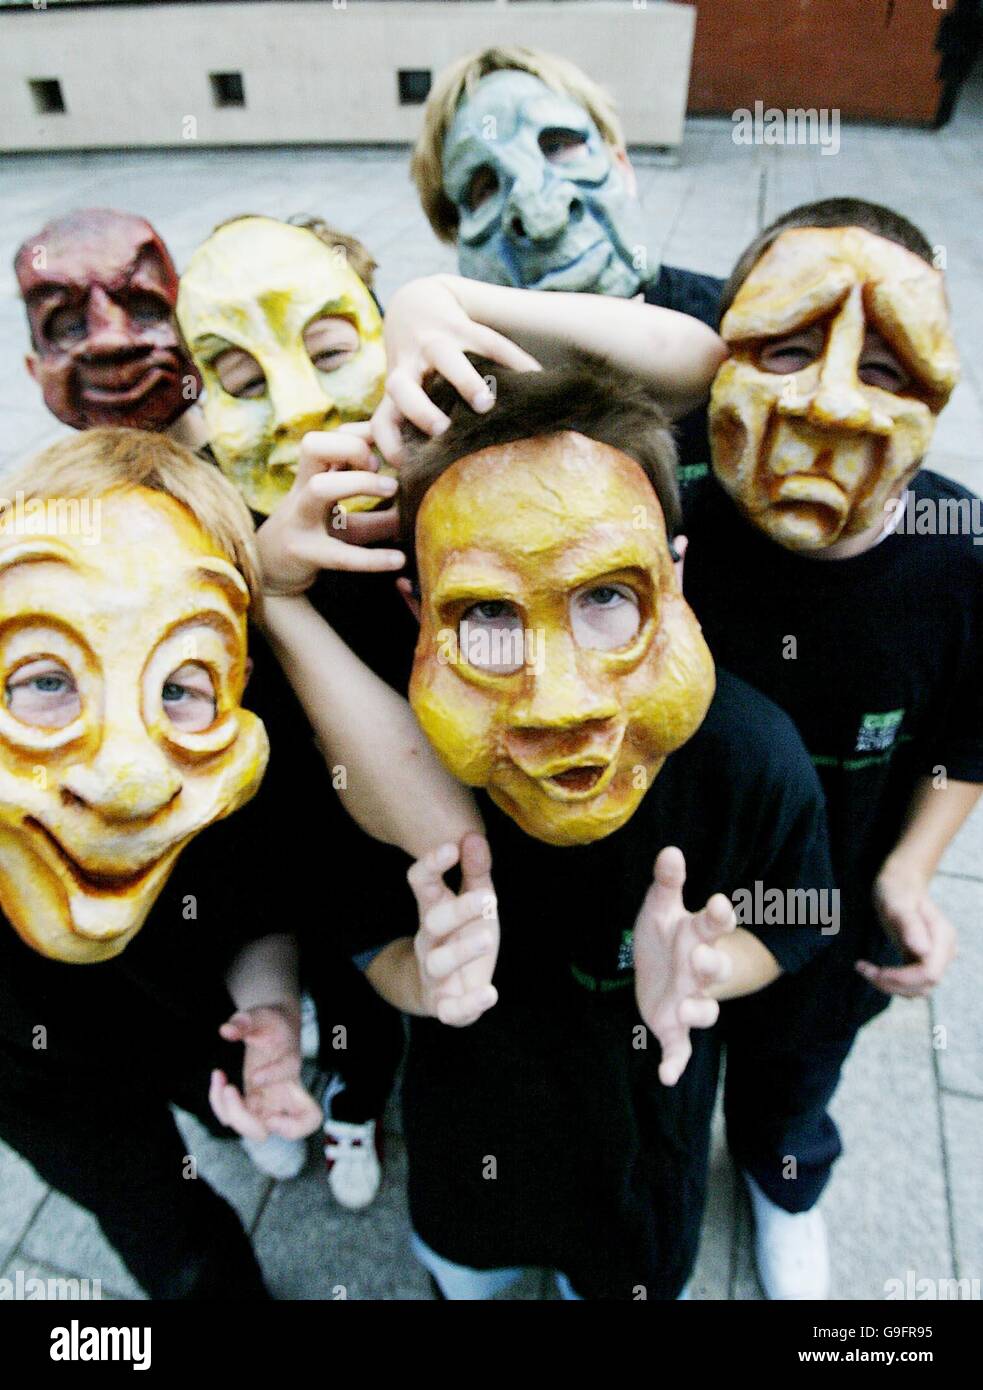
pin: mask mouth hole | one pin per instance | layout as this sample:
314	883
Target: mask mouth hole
93	882
579	779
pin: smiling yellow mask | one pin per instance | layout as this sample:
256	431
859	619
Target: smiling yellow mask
558	663
295	334
122	666
842	357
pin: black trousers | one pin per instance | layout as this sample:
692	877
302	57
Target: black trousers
361	1035
786	1048
111	1145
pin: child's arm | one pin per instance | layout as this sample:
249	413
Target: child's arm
394	787
901	895
446	970
431	324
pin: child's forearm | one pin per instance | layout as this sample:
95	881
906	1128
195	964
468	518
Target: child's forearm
393	784
265	973
935	814
394	974
752	965
676	354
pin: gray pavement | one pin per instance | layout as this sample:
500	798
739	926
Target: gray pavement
908	1194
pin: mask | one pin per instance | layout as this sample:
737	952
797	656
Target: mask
259	286
814	449
100	289
558	663
542	203
121	729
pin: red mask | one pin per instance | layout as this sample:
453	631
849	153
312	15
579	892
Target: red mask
100	290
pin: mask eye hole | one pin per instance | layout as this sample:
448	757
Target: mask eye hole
605	617
331	341
66	327
43	693
482	185
491	639
146	310
879	367
239	374
793	352
561	146
188	697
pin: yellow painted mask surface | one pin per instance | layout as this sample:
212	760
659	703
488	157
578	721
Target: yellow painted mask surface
567	742
256	284
813	457
94	814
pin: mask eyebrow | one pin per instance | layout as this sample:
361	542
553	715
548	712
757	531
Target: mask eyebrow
228	579
33	552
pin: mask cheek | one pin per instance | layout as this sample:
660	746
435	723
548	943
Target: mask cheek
667	696
460	720
246	763
903	452
239	431
358	386
741	404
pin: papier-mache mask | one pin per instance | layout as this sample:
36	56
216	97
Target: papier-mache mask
123	662
305	339
842	357
558	663
100	289
541	202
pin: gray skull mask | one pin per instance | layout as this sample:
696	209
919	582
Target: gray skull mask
542	203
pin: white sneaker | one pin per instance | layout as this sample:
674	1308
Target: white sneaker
277	1157
354	1170
790	1249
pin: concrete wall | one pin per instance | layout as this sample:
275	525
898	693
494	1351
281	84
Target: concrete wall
312	72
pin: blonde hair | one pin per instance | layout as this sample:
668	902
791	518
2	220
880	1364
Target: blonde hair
356	253
98	461
459	80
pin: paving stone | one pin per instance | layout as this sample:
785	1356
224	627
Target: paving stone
956	1015
68	1237
23	1192
963	1128
58	1285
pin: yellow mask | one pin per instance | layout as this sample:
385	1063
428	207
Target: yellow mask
121	730
558	663
814	454
258	285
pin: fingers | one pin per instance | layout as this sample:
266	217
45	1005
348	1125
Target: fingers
490	343
426	877
414	404
326	553
475	862
452	913
288	1110
908	981
449	360
323	491
710	966
470	944
388	432
367	528
240	1026
229	1107
665	897
717	919
675	1058
458	1011
699	1013
322	451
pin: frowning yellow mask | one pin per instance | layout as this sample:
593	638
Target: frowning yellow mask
558	663
842	357
122	666
295	335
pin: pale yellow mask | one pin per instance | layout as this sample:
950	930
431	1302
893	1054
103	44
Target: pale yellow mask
122	666
558	663
258	285
814	454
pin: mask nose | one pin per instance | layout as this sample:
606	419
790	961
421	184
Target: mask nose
838	402
300	404
109	330
541	212
563	696
130	779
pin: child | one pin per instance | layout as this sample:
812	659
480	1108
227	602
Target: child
540	1134
812	585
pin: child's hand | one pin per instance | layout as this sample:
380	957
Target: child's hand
428	331
273	1099
457	945
308	532
922	931
677	962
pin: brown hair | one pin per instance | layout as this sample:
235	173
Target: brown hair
459	80
589	398
830	212
97	461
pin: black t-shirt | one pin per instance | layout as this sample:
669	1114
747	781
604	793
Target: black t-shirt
699	296
879	661
541	1135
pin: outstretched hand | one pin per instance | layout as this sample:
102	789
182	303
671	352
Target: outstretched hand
309	531
273	1099
677	962
457	943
